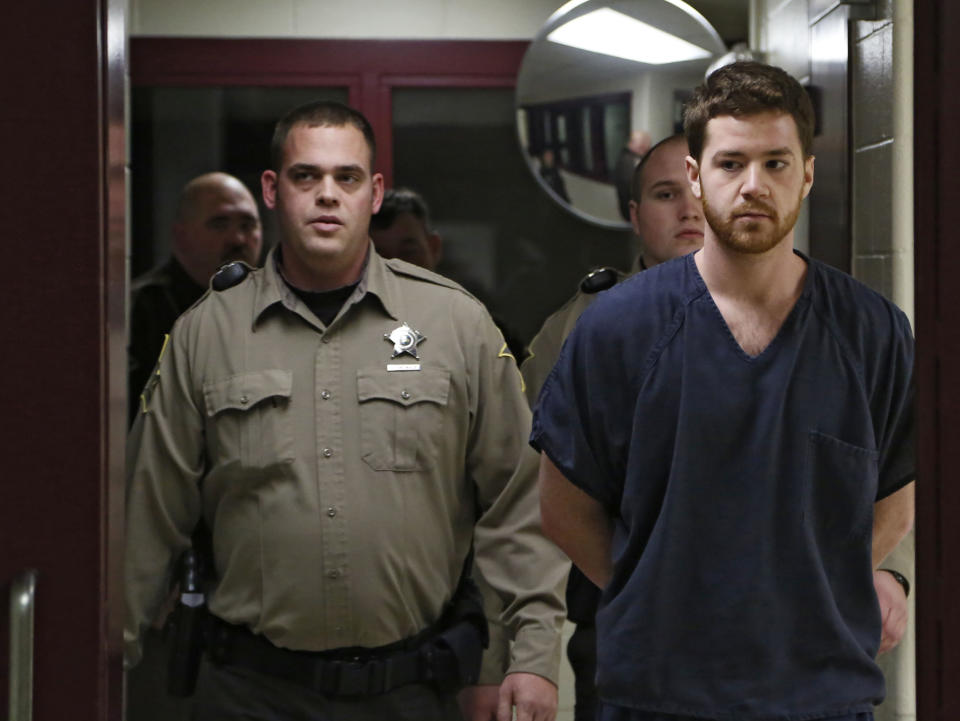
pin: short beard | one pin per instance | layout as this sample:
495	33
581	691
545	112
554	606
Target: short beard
748	238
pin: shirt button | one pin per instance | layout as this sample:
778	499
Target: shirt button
327	452
244	400
331	511
325	339
333	574
325	395
405	395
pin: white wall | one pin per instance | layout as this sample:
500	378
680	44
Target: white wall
783	32
399	19
902	186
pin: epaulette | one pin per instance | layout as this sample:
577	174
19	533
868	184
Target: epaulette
599	279
230	275
402	267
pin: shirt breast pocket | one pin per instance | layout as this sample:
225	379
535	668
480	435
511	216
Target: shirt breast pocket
401	417
248	418
842	489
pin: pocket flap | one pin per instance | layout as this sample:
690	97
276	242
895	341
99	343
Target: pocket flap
245	390
404	387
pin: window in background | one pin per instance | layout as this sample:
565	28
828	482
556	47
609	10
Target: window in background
586	134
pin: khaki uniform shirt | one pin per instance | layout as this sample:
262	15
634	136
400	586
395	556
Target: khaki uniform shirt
545	347
343	496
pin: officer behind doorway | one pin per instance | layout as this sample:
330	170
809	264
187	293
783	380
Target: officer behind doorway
217	221
402	229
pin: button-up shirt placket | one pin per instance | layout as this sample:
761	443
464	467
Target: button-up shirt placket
331	487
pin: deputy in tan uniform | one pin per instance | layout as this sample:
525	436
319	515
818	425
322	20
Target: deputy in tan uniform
668	222
348	427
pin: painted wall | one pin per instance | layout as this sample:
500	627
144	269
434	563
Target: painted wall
882	61
881	113
881	72
882	143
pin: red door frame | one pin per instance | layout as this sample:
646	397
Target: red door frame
369	69
63	365
936	222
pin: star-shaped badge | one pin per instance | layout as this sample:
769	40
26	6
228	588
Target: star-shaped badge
405	340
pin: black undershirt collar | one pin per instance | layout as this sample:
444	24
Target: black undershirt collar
325	304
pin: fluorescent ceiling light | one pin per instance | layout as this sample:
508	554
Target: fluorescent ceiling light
613	33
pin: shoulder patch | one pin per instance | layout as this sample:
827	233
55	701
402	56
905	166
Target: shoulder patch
154	380
230	275
505	353
599	279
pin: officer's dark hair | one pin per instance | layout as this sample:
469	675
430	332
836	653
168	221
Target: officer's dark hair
397	201
747	88
636	180
321	113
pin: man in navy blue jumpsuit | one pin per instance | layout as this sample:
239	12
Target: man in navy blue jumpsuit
727	446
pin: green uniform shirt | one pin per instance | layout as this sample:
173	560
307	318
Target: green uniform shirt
343	496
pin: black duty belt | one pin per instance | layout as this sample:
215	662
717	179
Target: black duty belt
428	657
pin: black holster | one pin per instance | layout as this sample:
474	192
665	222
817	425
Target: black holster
187	626
453	653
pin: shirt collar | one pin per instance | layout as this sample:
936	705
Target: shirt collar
377	280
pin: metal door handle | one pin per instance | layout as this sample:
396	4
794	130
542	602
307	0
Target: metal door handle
22	592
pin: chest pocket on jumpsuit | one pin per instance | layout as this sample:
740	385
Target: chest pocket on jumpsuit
401	417
249	418
842	489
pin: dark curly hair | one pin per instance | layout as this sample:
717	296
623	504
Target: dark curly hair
747	88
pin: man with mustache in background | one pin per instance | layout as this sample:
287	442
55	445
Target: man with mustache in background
217	222
727	446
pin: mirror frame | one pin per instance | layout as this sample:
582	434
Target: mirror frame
562	15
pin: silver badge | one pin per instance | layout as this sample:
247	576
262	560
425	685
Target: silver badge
405	340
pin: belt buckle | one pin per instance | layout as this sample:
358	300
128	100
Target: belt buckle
326	677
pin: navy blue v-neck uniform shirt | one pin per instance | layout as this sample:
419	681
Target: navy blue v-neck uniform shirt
741	489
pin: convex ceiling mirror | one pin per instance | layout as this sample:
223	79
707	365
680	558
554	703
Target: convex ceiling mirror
599	75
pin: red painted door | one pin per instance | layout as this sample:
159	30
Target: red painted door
937	219
62	355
